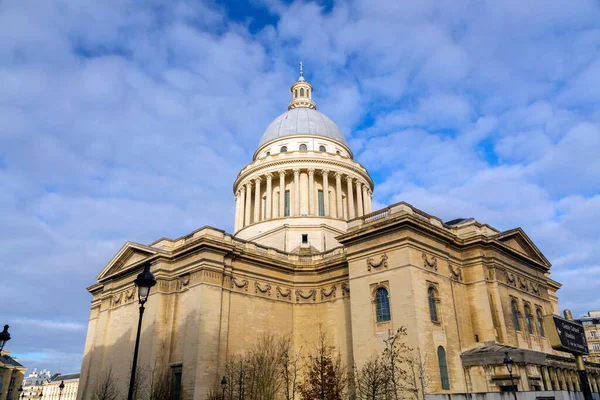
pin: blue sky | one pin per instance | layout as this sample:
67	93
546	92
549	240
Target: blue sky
126	120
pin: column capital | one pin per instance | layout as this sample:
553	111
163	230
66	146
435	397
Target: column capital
349	179
242	189
249	185
296	171
281	172
257	179
237	194
338	175
369	192
358	183
311	171
269	176
325	171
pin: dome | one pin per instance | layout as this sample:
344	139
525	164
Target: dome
302	121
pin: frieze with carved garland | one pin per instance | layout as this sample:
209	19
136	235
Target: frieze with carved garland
382	263
264	290
455	273
312	294
123	297
240	284
524	284
427	263
328	293
287	294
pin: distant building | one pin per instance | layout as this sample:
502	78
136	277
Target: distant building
11	376
591	324
69	392
34	382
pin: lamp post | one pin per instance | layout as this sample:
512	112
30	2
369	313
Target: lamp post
223	385
509	366
41	395
60	389
4	337
144	281
20	390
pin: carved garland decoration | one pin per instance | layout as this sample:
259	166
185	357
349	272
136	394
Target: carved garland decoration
511	279
523	284
456	273
241	285
328	294
382	262
430	264
287	294
312	294
266	290
345	289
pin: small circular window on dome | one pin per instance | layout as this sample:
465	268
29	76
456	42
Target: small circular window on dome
322	149
338	152
303	147
268	153
283	149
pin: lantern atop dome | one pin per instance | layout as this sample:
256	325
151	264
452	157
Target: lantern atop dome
301	92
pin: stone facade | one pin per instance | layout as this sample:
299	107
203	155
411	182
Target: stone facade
12	374
591	324
461	288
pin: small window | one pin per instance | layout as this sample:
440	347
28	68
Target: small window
322	149
338	152
287	204
432	299
268	153
296	93
382	305
443	368
303	147
176	383
515	315
283	149
528	320
321	201
301	92
304	238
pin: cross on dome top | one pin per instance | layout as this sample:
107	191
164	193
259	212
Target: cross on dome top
302	92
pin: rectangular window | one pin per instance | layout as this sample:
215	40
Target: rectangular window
596	347
287	203
264	200
594	333
278	203
304	238
176	383
321	203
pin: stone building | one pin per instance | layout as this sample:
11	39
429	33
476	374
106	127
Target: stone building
591	324
307	250
52	391
11	376
33	384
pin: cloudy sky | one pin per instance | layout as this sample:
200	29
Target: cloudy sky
129	120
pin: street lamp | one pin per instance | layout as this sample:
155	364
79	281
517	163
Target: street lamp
41	395
144	281
4	337
60	389
509	366
20	390
223	385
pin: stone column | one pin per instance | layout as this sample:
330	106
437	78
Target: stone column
359	201
365	194
311	191
304	193
325	173
257	200
296	192
248	203
281	193
236	225
370	200
338	194
576	380
269	194
350	198
546	379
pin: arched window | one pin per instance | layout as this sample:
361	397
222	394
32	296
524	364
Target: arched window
303	147
338	152
283	149
268	153
322	149
296	93
301	92
528	320
443	368
382	305
515	315
540	322
431	297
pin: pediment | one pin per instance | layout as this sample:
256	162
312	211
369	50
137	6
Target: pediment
517	240
130	253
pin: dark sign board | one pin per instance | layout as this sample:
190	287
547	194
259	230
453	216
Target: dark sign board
565	335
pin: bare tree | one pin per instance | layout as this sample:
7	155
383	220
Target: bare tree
289	367
417	376
107	386
160	384
370	380
325	377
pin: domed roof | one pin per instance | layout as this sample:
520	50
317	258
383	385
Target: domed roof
302	121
